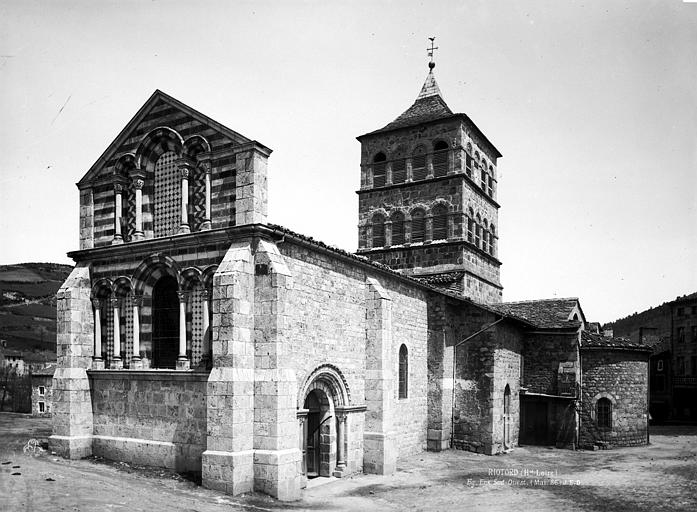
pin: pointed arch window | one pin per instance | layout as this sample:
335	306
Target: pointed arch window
403	372
397	228
417	226
378	230
440	158
418	164
379	170
440	223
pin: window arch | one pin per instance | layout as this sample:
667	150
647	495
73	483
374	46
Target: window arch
603	413
397	228
378	230
403	372
507	400
418	164
379	170
417	226
440	158
440	222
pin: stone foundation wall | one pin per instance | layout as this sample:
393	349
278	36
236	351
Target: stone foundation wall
622	377
151	418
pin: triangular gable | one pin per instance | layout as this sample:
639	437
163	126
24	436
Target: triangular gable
157	99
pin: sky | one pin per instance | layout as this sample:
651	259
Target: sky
593	105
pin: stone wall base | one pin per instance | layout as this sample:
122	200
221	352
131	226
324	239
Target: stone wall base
228	472
71	447
379	453
148	452
435	440
276	473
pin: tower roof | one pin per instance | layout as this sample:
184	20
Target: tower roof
429	106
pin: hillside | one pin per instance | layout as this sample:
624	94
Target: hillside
28	304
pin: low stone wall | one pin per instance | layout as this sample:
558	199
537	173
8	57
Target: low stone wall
622	378
154	418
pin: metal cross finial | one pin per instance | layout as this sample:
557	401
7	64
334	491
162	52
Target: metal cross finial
432	48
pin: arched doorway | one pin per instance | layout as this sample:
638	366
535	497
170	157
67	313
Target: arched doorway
165	322
507	417
318	441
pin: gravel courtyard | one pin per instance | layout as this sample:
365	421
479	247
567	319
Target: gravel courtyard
662	476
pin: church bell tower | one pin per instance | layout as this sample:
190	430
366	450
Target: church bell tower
427	200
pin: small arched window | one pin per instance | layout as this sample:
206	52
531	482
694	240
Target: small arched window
440	158
507	400
485	236
468	160
440	223
470	226
483	177
378	230
603	413
418	164
478	232
403	372
397	228
379	170
417	226
492	240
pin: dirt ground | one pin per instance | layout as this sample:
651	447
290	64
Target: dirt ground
662	476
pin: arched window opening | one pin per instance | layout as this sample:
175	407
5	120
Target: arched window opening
418	164
507	400
483	177
468	160
167	204
604	413
440	158
417	226
378	230
492	240
165	323
440	223
470	227
379	170
399	171
403	372
478	232
397	228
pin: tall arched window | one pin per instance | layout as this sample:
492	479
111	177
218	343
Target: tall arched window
485	236
468	160
417	226
478	232
378	230
403	372
397	228
399	171
165	322
470	226
490	184
492	240
604	413
440	158
483	176
418	164
440	223
379	170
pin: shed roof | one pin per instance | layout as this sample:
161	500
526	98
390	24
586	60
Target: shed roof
544	313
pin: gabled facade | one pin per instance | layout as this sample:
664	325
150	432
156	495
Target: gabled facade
427	202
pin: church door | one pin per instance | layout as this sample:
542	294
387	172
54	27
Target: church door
165	323
312	440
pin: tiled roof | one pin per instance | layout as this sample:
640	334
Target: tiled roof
445	278
429	108
591	340
544	313
685	298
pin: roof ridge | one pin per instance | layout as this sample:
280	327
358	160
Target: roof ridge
530	301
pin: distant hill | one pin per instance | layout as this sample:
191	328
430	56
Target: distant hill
28	304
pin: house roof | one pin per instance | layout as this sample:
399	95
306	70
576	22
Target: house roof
591	340
45	372
685	298
544	313
429	107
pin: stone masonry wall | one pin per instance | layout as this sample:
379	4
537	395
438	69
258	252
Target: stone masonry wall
622	377
150	418
509	341
46	381
542	354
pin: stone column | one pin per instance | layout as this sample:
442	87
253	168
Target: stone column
205	322
183	362
136	362
138	183
206	224
302	432
118	210
340	444
116	363
97	361
184	227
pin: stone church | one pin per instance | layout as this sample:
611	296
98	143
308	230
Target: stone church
194	335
